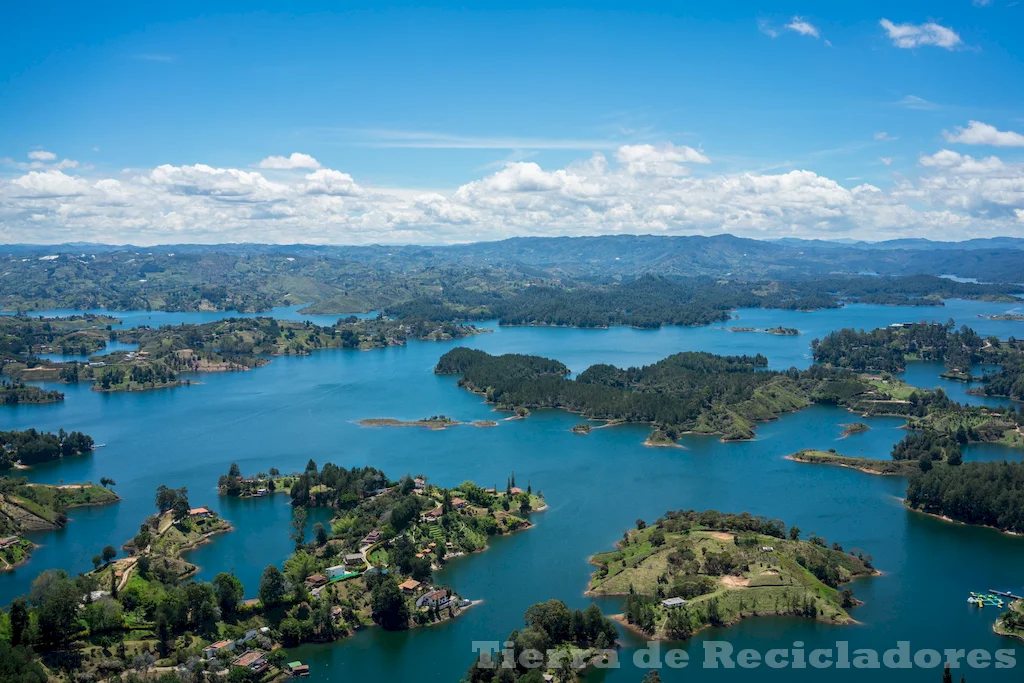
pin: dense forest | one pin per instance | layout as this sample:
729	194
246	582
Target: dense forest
687	391
984	493
550	627
31	447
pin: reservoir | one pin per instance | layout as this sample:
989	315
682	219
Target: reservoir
597	485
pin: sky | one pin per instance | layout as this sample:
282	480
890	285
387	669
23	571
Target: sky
343	123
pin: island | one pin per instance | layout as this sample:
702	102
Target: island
1011	624
582	428
21	449
237	344
898	468
566	641
374	562
854	428
26	507
19	393
434	422
691	570
976	493
779	330
1017	317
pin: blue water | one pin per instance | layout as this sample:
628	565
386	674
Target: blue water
295	409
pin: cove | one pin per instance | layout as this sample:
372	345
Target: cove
295	409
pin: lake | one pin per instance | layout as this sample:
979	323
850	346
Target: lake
597	485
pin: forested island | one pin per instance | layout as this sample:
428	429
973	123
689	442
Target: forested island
235	344
980	493
374	562
19	393
567	641
434	422
40	507
32	447
780	331
690	570
686	392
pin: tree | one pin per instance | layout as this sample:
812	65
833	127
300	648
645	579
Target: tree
109	553
234	470
165	498
794	533
229	591
180	507
298	533
17	666
58	608
107	482
320	533
390	610
19	620
272	586
97	560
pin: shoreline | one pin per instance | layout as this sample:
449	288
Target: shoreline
950	520
848	465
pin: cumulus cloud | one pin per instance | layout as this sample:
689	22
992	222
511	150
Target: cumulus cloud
978	133
804	28
918	35
297	160
637	189
331	182
41	155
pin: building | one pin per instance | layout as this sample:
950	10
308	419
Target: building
459	503
315	581
433	514
254	660
437	598
8	542
419	482
336	571
409	586
672	603
211	651
252	633
767	549
516	490
371	538
202	513
296	669
354	560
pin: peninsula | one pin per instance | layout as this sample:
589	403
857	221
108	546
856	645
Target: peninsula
690	570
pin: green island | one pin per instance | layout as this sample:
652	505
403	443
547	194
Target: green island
20	449
899	468
26	507
1004	316
582	428
780	330
691	570
687	392
854	428
231	345
568	641
987	494
1011	623
889	349
434	422
19	393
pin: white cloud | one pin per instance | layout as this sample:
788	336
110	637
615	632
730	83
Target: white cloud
802	27
886	160
41	155
331	182
638	189
919	103
981	3
883	136
764	27
295	161
978	133
918	35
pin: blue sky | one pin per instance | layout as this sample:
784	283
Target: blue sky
451	124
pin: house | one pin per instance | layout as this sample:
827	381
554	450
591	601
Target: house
336	613
767	549
211	651
437	598
459	503
202	513
672	603
252	633
296	669
433	514
336	571
491	491
516	490
409	586
371	538
8	542
315	581
254	660
354	560
419	482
